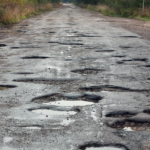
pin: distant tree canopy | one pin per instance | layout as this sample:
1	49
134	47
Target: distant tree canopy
116	3
65	1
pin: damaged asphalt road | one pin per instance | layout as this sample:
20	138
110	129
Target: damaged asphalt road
71	81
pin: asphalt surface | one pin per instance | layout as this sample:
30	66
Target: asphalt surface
70	80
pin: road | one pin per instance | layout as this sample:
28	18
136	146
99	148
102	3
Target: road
71	80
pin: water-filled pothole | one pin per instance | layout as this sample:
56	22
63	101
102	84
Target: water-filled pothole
129	125
88	71
121	114
35	57
46	81
2	45
57	97
5	87
108	51
51	112
97	146
112	88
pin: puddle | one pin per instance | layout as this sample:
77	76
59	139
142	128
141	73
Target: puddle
87	71
52	113
96	146
46	81
69	103
104	148
33	128
7	139
57	97
3	45
112	88
105	51
67	122
52	32
121	114
131	125
5	87
35	57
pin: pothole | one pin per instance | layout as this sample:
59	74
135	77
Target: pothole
3	45
121	114
69	103
35	57
63	43
84	35
147	65
88	71
129	36
108	51
147	111
32	127
23	73
129	125
96	146
52	112
25	47
126	47
137	59
119	56
119	62
57	97
5	87
46	81
112	88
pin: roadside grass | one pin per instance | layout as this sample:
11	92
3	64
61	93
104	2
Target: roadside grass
12	12
127	13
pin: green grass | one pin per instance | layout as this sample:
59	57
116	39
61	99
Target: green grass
143	18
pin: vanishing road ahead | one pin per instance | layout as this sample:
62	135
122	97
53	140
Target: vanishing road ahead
72	80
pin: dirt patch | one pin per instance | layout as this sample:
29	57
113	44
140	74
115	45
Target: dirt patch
88	71
58	96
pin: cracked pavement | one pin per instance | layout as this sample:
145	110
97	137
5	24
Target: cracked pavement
70	80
